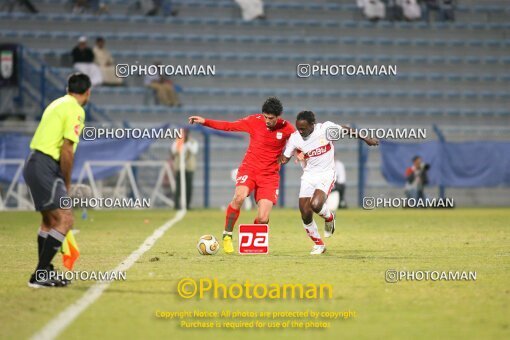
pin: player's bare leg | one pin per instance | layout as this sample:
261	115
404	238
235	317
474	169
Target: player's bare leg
264	210
319	206
233	209
305	207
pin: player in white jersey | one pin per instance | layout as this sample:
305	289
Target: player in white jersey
317	155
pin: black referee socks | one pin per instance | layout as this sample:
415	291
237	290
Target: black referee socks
51	246
41	238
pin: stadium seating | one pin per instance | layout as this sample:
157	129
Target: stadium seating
326	32
446	71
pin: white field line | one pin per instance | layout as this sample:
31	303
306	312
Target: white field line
58	324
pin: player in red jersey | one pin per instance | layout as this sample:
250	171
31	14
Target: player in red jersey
259	170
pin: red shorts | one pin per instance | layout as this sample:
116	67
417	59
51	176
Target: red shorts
265	186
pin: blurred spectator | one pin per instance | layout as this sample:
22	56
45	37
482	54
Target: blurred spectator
340	184
394	12
251	9
447	10
94	6
410	9
149	7
83	61
9	5
416	179
189	147
154	7
79	6
164	89
426	7
103	58
372	9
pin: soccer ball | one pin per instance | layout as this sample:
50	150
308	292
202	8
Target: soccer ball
208	245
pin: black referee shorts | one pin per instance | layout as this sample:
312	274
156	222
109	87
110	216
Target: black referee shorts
44	179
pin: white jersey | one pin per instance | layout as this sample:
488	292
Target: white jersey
319	152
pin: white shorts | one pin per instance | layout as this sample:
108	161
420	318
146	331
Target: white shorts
310	182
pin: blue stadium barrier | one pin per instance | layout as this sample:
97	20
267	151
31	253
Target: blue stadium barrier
470	164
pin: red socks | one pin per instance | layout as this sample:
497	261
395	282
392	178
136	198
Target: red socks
231	218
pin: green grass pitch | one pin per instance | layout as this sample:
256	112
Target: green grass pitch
366	244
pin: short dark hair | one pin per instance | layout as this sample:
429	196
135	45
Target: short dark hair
98	39
272	106
415	158
309	116
78	83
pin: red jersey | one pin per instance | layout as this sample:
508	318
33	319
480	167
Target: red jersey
265	144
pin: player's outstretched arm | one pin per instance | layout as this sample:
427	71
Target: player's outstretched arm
196	120
371	141
354	132
238	125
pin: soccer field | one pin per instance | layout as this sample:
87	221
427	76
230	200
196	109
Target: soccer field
365	246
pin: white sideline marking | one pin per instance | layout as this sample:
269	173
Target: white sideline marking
67	316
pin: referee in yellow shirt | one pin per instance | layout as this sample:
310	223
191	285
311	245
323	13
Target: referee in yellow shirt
48	169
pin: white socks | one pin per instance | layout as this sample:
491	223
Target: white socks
313	232
325	212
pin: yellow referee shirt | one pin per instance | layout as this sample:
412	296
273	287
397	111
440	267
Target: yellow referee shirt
63	118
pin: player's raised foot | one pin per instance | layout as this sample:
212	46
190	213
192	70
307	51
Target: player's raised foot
329	226
228	246
39	280
318	249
